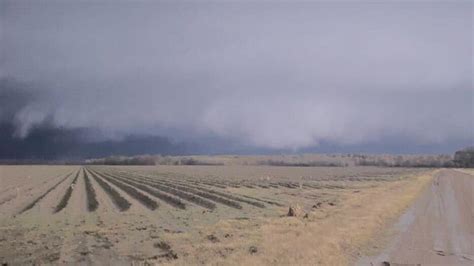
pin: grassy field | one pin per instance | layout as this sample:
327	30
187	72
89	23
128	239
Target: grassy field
230	214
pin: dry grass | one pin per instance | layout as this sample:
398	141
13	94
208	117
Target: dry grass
332	235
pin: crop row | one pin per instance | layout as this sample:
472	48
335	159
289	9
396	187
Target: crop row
189	187
244	183
175	202
222	194
197	185
212	197
218	184
135	185
223	198
65	199
196	190
181	194
120	202
92	203
264	200
32	204
131	191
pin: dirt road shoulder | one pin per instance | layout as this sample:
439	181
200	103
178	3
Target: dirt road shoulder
438	228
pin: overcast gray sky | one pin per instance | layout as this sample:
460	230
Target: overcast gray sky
268	74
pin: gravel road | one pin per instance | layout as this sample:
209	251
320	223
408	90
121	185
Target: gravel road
438	229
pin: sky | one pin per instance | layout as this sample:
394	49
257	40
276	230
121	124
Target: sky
264	75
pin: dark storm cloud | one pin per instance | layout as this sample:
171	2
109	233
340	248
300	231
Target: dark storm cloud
265	74
13	98
17	105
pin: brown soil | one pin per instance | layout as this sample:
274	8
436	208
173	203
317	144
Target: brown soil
257	232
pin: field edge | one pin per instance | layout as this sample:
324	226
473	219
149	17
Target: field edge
333	235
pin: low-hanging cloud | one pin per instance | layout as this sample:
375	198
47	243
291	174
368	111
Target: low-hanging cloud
275	75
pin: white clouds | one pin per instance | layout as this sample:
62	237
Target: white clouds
293	121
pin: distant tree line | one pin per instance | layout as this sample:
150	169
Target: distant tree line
464	158
430	161
124	160
149	160
303	164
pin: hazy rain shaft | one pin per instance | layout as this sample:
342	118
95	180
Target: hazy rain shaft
277	75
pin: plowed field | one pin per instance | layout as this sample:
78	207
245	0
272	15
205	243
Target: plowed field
173	214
